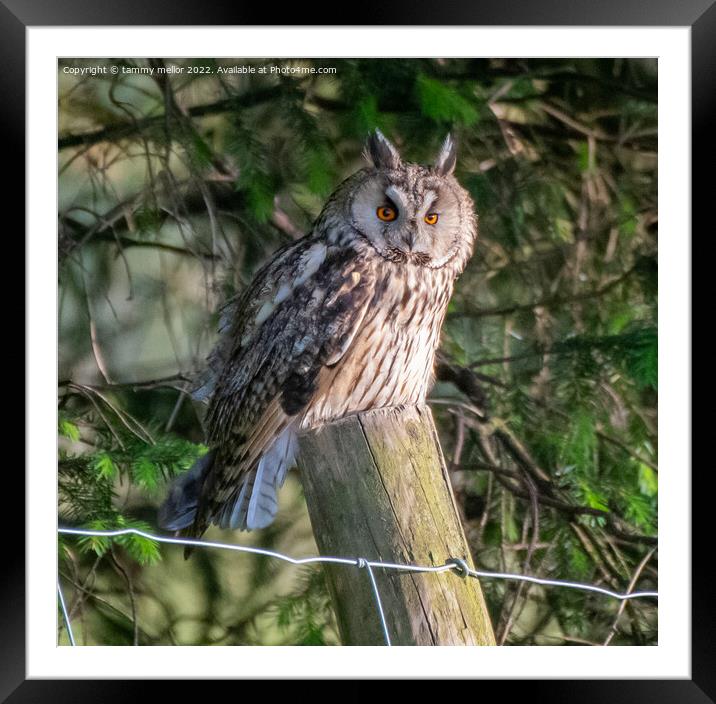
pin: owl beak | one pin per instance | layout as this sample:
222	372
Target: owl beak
409	239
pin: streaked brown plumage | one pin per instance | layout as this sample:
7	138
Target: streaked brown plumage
344	320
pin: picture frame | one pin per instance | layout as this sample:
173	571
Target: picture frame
18	16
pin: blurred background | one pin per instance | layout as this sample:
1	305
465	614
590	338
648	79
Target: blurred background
177	181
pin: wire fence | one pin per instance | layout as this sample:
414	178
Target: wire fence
457	566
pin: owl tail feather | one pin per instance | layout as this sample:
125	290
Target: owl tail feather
179	508
251	506
254	503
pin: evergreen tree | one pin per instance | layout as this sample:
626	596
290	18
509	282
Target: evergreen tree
173	191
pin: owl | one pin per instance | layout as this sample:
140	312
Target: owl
343	320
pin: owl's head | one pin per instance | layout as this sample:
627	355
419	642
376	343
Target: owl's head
409	212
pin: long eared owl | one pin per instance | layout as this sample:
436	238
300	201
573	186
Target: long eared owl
343	320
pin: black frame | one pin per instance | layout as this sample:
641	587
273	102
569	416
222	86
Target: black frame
700	15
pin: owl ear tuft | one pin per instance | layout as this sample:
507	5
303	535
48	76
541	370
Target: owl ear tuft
381	152
447	158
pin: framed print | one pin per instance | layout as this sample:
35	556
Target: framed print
420	264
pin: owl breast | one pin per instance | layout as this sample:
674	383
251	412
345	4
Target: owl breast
390	360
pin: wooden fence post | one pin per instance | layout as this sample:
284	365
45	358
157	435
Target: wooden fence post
377	487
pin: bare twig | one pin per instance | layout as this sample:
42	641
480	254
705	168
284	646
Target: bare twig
632	584
548	302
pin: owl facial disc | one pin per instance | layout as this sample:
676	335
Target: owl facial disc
411	213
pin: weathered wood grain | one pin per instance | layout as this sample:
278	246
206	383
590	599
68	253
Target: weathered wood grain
377	487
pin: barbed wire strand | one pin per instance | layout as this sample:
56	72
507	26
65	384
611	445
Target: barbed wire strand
65	615
455	565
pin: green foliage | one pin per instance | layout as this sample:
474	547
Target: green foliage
255	181
68	429
105	466
367	115
147	220
89	482
580	443
305	614
648	481
444	104
641	359
140	548
572	558
633	352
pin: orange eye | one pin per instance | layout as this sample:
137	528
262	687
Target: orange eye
386	213
431	218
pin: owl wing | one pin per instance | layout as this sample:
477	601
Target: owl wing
239	315
300	315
